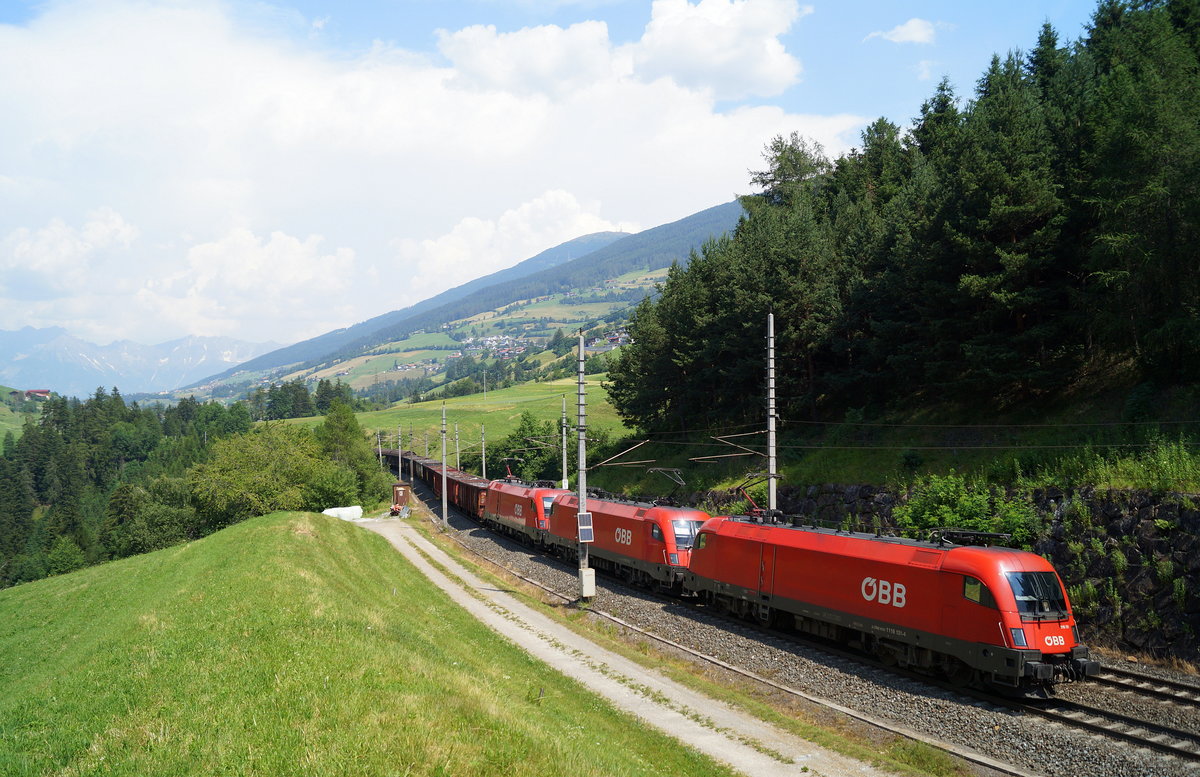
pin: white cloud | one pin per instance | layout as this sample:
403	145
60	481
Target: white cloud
729	46
223	144
242	278
58	259
912	31
546	59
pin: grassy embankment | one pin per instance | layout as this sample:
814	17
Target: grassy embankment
288	644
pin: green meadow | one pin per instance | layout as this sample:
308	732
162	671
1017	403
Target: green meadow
499	412
289	644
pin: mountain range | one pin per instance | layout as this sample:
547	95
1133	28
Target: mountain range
577	263
50	358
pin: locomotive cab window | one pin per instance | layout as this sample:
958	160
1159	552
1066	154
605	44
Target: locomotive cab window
701	540
656	532
1039	595
685	532
974	590
547	505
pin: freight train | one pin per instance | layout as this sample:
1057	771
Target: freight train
641	543
990	616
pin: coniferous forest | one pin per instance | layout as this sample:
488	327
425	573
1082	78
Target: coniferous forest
1005	246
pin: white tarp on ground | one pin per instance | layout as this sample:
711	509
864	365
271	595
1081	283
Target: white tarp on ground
345	513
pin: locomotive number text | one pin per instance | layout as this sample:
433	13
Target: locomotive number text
624	537
884	592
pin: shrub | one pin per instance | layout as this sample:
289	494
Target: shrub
953	501
1120	563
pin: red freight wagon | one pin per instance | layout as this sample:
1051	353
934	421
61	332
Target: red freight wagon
421	466
463	490
994	613
637	541
520	509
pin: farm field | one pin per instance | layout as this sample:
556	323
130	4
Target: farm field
365	369
500	412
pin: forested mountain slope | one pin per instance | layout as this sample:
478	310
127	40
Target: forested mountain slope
331	342
652	249
1004	249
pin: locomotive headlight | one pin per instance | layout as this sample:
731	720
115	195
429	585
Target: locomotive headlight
1018	637
674	557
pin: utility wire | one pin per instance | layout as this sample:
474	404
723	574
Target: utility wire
987	426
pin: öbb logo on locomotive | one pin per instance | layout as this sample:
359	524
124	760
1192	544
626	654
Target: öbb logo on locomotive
884	592
624	536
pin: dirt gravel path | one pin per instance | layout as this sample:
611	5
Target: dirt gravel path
722	732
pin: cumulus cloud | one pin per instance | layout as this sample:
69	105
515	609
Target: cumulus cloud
242	276
56	260
546	59
280	189
729	46
912	31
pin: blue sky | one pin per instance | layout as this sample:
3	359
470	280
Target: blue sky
275	170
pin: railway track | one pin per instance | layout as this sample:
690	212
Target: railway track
1127	728
1181	693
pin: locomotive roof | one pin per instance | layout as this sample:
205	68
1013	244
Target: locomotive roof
567	497
870	536
516	483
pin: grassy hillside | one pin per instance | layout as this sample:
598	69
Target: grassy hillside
500	411
10	420
288	644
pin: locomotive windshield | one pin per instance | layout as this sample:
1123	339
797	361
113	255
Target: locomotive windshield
547	504
1039	595
685	532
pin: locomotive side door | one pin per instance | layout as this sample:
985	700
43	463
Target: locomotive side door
766	570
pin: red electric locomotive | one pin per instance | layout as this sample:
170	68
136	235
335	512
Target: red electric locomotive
639	542
995	616
520	509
